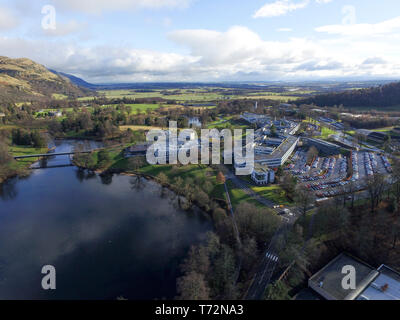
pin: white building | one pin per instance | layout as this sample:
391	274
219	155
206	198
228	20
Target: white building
262	175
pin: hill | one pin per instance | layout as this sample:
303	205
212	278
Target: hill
387	95
77	81
23	80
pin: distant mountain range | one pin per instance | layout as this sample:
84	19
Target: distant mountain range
24	80
387	95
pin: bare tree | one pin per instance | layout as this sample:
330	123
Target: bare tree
375	188
312	154
304	198
350	190
396	180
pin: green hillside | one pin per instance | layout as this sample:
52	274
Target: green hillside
23	80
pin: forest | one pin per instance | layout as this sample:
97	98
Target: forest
382	96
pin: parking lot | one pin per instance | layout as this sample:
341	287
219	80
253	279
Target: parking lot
328	175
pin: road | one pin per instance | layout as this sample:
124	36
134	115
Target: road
266	268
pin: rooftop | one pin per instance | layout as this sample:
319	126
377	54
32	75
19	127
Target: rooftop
385	287
279	151
328	281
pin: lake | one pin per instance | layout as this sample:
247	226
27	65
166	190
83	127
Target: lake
107	237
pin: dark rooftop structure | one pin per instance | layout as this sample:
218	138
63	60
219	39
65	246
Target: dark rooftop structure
136	150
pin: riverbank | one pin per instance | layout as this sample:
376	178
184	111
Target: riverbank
197	183
19	167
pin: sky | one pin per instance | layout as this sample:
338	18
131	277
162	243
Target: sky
119	41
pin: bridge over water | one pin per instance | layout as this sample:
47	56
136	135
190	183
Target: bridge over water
53	154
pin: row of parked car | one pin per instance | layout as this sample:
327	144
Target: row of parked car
386	164
354	162
370	163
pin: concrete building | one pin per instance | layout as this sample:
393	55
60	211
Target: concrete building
386	286
327	282
279	155
253	118
371	284
262	175
325	147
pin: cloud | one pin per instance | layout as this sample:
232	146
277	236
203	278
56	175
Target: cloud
100	6
7	19
279	8
320	65
362	29
285	30
282	7
374	61
235	54
64	29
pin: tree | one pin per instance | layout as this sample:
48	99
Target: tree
192	286
135	163
4	155
304	198
312	154
277	291
221	178
396	180
288	184
202	198
219	215
103	158
351	189
162	178
197	261
249	253
273	131
257	223
375	188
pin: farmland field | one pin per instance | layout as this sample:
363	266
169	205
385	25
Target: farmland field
196	95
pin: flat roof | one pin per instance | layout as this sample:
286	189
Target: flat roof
280	151
328	281
385	287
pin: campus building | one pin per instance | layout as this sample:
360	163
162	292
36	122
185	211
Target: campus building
370	283
325	147
279	155
262	175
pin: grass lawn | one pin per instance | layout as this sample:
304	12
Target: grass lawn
25	151
138	127
237	196
273	193
138	108
199	173
326	132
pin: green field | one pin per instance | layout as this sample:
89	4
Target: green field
326	132
273	193
138	108
25	151
200	95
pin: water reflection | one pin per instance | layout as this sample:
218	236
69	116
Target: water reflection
8	190
107	236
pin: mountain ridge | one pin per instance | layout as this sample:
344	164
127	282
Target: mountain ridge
23	80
